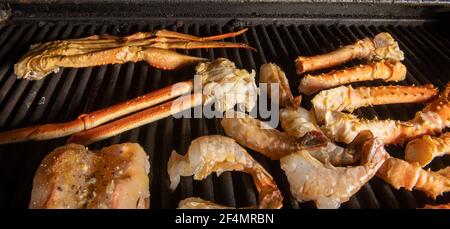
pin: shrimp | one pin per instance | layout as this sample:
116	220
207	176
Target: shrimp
329	186
199	203
218	154
425	149
298	121
272	74
264	139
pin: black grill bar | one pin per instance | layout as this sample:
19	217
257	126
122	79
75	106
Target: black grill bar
67	94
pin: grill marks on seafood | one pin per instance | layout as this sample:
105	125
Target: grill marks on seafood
74	177
424	150
382	70
218	154
381	47
153	47
329	186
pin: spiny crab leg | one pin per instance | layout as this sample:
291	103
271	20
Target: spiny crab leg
430	120
401	174
381	47
155	48
87	121
383	70
347	98
424	150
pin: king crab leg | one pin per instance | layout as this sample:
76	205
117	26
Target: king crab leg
347	98
383	70
430	120
381	47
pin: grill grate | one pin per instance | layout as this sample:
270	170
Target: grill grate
63	96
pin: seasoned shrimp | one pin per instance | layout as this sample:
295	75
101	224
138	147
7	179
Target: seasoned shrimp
298	121
199	203
329	186
218	154
441	206
271	73
264	139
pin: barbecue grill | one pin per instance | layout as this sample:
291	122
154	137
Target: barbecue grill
279	30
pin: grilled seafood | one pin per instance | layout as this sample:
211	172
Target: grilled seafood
425	149
383	70
329	186
297	121
402	174
271	73
270	142
348	98
238	86
152	47
381	47
222	83
430	120
441	206
218	154
74	177
199	203
96	118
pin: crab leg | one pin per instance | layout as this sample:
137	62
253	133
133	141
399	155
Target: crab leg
381	47
383	70
430	120
161	58
87	121
197	45
172	34
348	98
401	174
222	83
136	120
425	149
